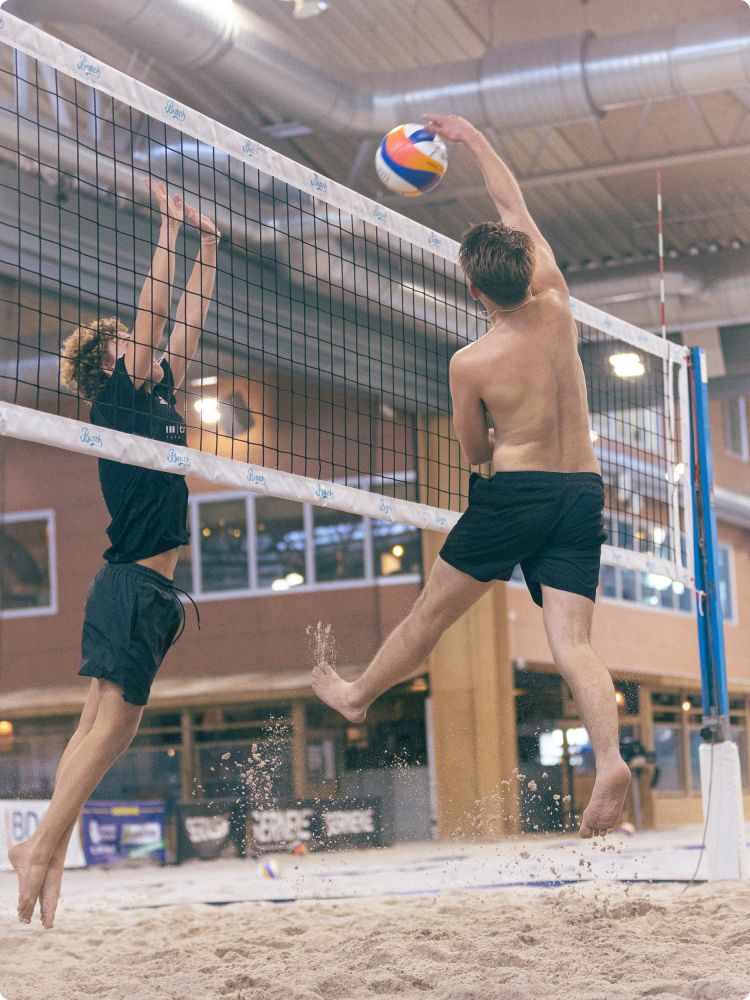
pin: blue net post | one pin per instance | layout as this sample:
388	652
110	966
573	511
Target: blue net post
706	549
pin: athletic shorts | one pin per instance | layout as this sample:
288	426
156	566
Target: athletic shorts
131	619
549	523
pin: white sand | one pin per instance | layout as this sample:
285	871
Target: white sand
414	921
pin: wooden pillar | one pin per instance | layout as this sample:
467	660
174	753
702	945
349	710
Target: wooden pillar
299	750
474	718
646	736
471	674
187	759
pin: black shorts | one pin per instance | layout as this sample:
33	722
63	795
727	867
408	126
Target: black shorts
548	522
131	619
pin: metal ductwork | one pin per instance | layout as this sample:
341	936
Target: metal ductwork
550	81
715	292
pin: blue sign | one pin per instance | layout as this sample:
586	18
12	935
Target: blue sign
116	831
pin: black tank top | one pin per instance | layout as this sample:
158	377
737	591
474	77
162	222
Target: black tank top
148	508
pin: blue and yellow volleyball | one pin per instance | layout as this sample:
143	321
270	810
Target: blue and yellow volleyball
411	160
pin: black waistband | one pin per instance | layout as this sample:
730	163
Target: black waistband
540	474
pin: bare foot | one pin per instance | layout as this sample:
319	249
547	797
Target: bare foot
601	814
336	692
50	893
30	878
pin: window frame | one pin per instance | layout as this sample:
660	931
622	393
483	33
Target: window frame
743	455
369	578
48	514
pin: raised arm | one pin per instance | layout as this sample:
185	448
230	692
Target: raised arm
193	307
506	193
153	303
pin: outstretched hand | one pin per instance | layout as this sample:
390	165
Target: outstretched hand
202	222
450	127
171	207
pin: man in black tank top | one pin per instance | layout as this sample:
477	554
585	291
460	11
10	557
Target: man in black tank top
132	614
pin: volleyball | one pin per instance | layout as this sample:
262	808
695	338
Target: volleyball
268	869
411	160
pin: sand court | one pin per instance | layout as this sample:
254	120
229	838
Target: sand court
450	921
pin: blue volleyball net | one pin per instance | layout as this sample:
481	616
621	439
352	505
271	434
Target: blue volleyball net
322	373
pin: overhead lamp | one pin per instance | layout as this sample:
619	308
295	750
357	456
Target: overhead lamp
309	8
208	407
627	365
6	727
736	244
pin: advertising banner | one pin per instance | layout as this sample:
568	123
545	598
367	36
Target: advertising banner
204	829
326	825
19	819
117	831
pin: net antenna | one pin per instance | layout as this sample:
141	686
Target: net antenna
322	375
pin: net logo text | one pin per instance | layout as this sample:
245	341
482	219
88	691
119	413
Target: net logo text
174	111
323	492
91	70
174	458
92	440
250	149
256	478
318	183
385	508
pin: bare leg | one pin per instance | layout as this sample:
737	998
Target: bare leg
567	620
50	894
448	594
111	734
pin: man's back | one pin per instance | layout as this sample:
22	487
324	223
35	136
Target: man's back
529	376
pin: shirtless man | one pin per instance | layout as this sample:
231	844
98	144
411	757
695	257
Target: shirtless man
519	401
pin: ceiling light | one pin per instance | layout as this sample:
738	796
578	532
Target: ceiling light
6	727
627	365
713	247
309	8
205	380
686	705
736	244
398	551
694	250
294	579
208	407
673	253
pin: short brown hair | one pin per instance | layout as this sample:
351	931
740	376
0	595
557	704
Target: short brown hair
83	353
499	261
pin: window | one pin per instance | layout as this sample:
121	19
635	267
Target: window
639	427
28	578
726	590
735	428
280	539
249	544
397	548
223	545
339	541
668	759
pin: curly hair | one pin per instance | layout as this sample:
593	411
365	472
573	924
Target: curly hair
499	261
83	353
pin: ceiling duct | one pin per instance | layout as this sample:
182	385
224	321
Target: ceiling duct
548	81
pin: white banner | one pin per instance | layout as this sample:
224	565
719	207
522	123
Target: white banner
19	819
